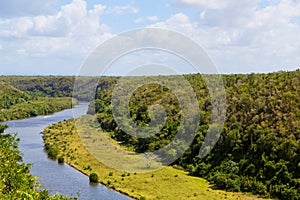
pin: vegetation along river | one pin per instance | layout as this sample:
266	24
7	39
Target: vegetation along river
53	176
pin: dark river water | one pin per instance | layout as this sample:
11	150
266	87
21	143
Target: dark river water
56	177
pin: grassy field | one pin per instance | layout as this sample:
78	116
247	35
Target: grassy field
62	140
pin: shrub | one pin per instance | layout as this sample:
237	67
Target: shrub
61	160
259	188
289	194
52	153
94	178
228	182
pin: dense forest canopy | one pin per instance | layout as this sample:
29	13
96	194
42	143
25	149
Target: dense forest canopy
18	104
29	96
53	86
10	95
259	147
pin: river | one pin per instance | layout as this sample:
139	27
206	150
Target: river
56	177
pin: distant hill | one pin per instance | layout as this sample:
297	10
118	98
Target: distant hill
53	86
10	95
18	104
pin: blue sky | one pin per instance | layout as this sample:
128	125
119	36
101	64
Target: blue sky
52	37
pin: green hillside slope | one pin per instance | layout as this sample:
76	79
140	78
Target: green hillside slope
259	147
10	95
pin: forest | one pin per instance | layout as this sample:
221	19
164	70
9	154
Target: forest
53	86
17	104
259	148
29	96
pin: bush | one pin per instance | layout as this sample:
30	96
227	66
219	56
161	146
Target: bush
52	153
61	160
285	193
259	188
94	178
289	194
228	182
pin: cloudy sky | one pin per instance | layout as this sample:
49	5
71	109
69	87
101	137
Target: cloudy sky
56	36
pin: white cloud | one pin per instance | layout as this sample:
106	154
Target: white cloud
179	22
73	30
243	37
211	4
153	18
120	10
55	43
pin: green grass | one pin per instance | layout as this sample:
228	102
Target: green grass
165	183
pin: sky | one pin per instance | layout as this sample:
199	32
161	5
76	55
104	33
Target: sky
55	37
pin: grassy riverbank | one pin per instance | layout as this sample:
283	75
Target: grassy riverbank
63	141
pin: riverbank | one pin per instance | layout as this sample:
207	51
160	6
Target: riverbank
54	177
33	108
166	183
15	180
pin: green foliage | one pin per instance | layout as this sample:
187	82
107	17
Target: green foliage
24	102
10	95
228	182
15	180
53	86
94	178
2	128
61	160
258	150
32	108
52	152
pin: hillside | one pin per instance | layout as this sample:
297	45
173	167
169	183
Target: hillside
259	147
10	95
18	104
52	86
64	142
